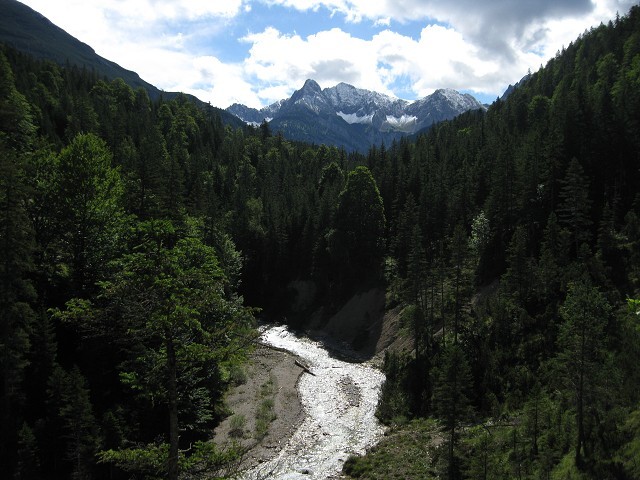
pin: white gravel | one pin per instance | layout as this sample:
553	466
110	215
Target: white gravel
340	402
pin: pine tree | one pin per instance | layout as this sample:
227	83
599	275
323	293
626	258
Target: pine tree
28	461
361	221
89	208
576	205
152	166
582	341
80	429
451	399
169	296
518	275
16	257
459	246
407	220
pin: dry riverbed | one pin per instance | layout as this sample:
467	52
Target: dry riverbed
266	408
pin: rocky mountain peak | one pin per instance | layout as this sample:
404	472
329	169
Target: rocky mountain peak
309	89
355	118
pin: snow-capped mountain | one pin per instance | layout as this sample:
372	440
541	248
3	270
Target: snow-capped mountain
354	118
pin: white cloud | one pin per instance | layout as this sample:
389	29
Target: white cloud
328	57
140	35
221	84
479	46
506	30
441	57
383	22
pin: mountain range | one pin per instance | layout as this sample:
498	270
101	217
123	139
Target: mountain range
354	118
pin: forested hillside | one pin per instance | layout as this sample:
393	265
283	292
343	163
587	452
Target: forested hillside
136	235
514	249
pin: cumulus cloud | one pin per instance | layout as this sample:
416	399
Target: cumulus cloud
154	38
498	28
329	57
440	57
466	44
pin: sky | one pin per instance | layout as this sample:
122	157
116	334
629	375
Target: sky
256	52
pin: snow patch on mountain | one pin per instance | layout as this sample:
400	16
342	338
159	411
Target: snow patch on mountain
401	122
352	118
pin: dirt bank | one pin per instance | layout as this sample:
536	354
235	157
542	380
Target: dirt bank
266	409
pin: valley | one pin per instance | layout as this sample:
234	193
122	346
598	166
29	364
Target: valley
362	287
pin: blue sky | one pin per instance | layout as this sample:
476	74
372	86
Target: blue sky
256	52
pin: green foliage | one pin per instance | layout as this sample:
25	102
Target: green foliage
236	425
409	451
28	461
205	460
567	470
576	202
629	454
451	400
582	356
149	461
394	398
360	223
70	396
17	248
264	416
265	413
88	209
176	315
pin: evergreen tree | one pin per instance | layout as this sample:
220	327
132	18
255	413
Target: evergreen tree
451	399
361	221
152	165
459	245
574	211
16	257
28	462
80	429
169	294
89	210
519	273
582	341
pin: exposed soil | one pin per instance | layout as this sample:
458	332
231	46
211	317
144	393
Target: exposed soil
272	375
366	325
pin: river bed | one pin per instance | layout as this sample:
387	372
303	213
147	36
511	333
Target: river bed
339	400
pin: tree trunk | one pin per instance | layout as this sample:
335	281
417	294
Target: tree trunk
172	461
580	400
452	434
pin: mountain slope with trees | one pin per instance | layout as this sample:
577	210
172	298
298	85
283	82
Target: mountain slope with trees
522	309
32	33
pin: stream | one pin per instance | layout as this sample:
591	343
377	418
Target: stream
339	401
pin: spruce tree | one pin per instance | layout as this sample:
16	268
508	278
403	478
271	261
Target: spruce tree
16	257
451	399
361	221
574	211
582	341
